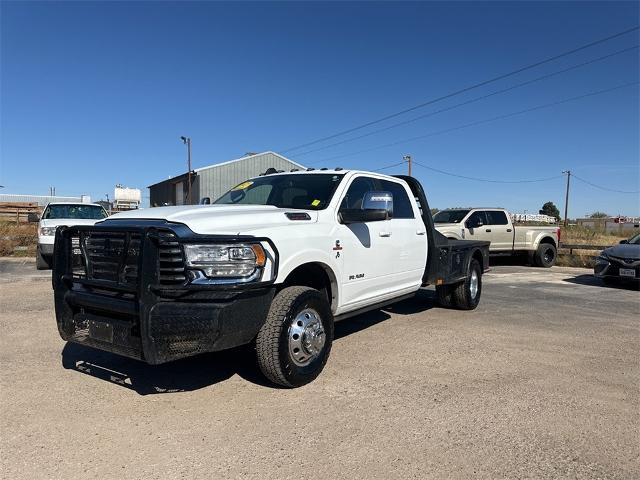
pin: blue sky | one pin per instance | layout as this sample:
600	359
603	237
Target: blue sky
95	94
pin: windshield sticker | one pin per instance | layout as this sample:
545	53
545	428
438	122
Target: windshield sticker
242	186
315	203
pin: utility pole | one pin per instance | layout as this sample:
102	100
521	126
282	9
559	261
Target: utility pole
187	142
407	158
566	198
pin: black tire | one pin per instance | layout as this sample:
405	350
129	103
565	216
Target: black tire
444	293
463	294
41	262
275	357
545	255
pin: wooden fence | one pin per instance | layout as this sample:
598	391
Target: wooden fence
17	212
577	246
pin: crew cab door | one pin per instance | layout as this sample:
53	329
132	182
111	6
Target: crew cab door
476	227
368	250
410	233
501	230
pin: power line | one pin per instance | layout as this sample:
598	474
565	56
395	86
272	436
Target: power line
388	166
601	187
473	100
480	122
485	179
463	90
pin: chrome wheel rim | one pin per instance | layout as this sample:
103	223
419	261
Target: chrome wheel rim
306	337
474	284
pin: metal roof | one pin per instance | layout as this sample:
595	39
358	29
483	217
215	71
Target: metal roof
247	157
216	165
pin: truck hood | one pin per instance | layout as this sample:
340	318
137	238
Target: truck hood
212	219
65	222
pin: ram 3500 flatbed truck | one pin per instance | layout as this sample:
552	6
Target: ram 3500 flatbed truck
275	261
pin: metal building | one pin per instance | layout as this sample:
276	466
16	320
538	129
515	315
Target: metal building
215	180
41	200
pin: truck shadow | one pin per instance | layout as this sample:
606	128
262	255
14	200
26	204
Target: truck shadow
591	280
208	369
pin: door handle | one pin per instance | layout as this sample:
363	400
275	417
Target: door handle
421	232
488	230
508	230
385	234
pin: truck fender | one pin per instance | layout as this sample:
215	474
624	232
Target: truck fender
543	237
317	257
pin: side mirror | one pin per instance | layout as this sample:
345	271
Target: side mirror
473	223
205	201
624	241
378	201
376	206
33	217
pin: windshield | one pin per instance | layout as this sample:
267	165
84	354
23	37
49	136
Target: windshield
83	212
311	192
635	240
450	216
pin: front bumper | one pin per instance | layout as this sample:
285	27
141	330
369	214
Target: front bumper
139	316
46	249
611	267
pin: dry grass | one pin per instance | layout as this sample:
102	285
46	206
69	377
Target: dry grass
588	236
577	235
14	236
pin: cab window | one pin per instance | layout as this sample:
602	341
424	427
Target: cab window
497	217
477	216
401	204
355	193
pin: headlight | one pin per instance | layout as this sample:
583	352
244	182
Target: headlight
241	261
602	258
48	231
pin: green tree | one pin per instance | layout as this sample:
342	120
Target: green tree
434	211
599	215
550	209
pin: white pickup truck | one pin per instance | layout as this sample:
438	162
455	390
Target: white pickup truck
275	261
58	214
495	225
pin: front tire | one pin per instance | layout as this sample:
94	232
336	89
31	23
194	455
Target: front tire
41	262
467	293
294	343
545	255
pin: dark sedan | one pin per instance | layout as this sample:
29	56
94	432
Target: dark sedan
620	262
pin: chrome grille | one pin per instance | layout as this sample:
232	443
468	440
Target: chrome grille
170	260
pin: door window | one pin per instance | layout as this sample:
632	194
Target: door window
478	216
497	217
355	194
401	204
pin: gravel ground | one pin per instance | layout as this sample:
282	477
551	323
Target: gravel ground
541	381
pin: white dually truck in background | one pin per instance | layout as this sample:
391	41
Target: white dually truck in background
275	261
494	225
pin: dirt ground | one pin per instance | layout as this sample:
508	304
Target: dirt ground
541	381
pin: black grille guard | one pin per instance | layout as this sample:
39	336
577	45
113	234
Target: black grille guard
146	319
149	272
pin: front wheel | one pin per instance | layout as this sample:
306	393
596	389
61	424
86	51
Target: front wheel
294	343
41	262
467	293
